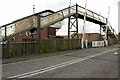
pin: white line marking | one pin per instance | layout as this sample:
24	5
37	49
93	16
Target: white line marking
28	74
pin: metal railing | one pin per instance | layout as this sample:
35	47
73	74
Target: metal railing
30	22
58	16
91	14
18	27
27	23
112	30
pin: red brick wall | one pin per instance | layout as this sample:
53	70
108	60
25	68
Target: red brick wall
93	37
22	36
89	36
45	33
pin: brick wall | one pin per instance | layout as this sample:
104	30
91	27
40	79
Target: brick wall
89	36
49	32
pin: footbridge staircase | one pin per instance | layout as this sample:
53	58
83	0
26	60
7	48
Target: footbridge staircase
38	21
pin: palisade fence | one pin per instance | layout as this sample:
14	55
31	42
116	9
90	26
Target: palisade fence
15	49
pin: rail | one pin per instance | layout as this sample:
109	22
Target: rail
27	23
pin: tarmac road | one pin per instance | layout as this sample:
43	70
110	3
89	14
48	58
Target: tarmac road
86	63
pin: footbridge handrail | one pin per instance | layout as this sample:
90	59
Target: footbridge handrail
27	23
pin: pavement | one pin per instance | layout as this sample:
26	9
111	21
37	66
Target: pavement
80	63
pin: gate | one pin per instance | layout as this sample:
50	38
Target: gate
98	43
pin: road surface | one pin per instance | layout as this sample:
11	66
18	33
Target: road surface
86	63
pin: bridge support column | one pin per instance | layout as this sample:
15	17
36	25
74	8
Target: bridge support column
73	24
5	32
100	32
69	28
39	27
107	35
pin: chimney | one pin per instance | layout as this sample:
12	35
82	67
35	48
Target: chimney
33	9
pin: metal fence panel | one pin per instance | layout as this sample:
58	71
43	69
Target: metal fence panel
98	43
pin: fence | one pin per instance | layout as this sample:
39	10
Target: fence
14	49
98	43
112	41
104	43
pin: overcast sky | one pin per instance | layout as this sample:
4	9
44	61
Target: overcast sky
15	9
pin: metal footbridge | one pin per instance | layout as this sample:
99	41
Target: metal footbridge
38	21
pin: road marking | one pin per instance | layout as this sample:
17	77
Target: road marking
28	74
36	59
39	58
